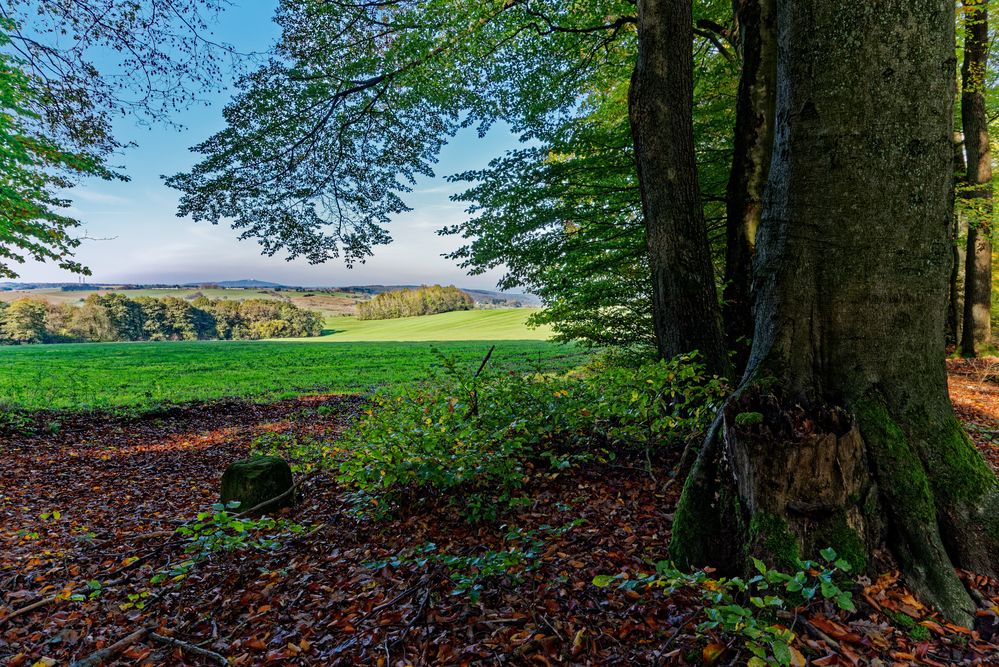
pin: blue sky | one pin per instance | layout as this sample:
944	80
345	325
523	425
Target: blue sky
147	242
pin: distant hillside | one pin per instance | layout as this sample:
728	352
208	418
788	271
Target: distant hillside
355	292
245	282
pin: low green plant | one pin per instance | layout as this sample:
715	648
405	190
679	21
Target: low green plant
470	572
477	434
303	452
16	421
909	624
223	530
751	609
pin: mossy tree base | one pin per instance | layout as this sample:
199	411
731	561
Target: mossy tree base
791	482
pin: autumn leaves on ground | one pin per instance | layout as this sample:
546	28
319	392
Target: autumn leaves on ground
90	504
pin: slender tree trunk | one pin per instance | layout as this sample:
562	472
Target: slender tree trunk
685	309
754	123
977	330
842	433
959	245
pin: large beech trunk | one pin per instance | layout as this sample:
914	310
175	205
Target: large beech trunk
754	123
685	310
842	433
977	331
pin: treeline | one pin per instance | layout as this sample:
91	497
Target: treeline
415	301
115	317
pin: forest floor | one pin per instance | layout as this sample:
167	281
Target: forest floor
88	510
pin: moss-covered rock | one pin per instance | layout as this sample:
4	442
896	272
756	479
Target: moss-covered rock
252	481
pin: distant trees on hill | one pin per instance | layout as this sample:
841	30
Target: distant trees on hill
415	301
115	317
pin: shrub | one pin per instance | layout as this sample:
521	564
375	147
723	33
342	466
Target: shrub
479	433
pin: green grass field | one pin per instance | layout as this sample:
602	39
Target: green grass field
141	375
500	324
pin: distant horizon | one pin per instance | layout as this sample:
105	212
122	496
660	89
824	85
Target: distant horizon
261	282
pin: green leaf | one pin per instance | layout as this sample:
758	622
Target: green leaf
843	565
829	554
782	653
845	601
603	580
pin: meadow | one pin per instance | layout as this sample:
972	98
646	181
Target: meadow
499	324
144	375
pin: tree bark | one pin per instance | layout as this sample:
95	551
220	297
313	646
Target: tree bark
977	330
685	310
754	124
959	246
842	433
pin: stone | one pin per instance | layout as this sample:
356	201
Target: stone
252	481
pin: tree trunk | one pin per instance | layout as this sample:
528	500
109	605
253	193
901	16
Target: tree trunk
959	245
685	310
842	433
977	331
754	124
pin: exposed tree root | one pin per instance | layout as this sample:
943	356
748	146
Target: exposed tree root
780	482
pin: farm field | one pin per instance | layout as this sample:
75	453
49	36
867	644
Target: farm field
142	375
500	324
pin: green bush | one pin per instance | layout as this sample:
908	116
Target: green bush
479	433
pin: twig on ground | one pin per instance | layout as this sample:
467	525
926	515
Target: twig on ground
278	498
818	634
190	648
103	655
27	609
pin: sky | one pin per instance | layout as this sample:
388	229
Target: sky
140	239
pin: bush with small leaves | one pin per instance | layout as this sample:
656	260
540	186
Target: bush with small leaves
475	435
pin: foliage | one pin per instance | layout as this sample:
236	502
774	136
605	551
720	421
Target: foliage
478	433
750	609
470	573
563	217
322	139
305	453
23	321
237	598
323	142
115	317
412	302
144	376
222	529
35	167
